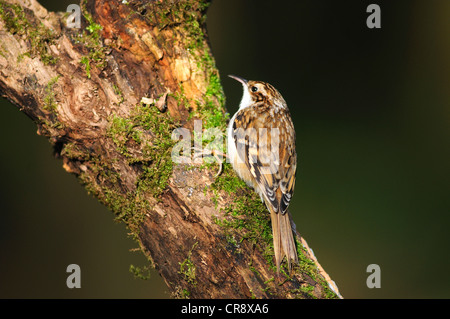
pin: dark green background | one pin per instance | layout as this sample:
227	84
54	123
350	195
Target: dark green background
371	109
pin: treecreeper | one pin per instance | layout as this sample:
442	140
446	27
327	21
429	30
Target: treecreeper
261	149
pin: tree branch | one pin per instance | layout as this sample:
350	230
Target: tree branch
208	237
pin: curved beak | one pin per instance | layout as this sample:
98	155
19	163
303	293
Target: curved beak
237	78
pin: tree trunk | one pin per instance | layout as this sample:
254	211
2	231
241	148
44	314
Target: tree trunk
209	237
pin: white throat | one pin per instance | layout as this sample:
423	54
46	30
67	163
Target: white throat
246	98
246	101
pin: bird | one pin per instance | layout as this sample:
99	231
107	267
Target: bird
261	149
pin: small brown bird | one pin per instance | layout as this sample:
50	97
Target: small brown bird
261	149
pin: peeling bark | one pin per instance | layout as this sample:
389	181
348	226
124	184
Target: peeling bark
206	236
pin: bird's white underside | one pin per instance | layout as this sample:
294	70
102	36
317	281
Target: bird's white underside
231	147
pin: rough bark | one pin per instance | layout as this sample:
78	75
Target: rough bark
209	237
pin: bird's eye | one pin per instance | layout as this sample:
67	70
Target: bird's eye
254	89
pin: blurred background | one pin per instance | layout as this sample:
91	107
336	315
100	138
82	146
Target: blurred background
371	108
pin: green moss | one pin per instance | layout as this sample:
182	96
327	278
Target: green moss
2	52
41	37
141	273
73	151
169	14
247	216
119	93
22	55
228	181
185	294
91	40
87	66
211	110
47	126
145	138
119	131
304	292
38	36
308	268
49	99
181	293
93	28
187	268
14	17
50	121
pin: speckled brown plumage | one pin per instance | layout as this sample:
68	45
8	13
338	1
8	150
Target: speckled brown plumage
261	147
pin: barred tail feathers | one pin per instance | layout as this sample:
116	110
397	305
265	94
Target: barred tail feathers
283	239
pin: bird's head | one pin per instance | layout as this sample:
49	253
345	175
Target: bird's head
256	92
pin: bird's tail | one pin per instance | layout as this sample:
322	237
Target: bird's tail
283	239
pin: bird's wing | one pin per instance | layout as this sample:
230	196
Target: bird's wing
265	142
